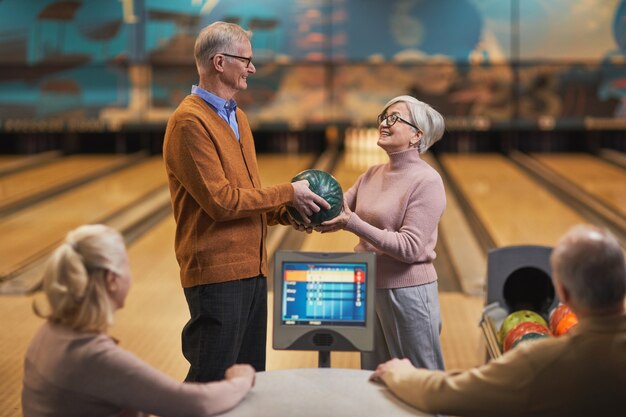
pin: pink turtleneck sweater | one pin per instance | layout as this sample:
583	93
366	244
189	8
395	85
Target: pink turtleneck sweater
396	209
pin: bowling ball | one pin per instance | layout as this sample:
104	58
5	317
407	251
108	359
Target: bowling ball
327	187
520	330
529	337
567	323
560	313
516	318
557	314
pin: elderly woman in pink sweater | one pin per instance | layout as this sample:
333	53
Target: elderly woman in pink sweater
74	369
394	209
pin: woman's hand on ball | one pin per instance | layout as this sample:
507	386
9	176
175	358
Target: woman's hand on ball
337	223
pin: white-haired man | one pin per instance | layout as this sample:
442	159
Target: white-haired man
222	211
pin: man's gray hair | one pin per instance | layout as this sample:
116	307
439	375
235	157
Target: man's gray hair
589	262
218	37
427	119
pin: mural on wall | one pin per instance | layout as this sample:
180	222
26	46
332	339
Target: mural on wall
105	63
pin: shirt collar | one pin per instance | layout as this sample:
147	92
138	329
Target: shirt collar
214	101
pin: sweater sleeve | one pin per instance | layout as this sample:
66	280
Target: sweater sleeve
191	157
500	387
350	195
123	379
278	216
415	239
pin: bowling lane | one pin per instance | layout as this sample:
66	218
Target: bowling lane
9	160
465	260
28	183
461	338
150	323
156	310
614	156
346	172
514	209
462	269
30	232
275	169
13	163
604	181
18	324
279	168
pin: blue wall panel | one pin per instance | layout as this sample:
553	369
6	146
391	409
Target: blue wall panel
319	61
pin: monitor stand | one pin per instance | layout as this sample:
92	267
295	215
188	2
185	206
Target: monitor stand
323	360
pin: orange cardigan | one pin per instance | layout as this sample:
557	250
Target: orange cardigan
221	209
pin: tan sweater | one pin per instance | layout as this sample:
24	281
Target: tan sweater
582	374
220	207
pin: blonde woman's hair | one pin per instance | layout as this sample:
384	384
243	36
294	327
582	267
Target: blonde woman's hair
74	280
429	121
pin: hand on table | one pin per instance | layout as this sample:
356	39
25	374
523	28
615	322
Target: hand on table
382	369
241	371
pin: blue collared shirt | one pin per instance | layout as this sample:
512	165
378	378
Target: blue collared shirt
226	109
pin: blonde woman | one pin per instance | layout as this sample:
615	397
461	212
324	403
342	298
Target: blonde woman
73	368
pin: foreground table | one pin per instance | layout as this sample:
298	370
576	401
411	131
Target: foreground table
320	392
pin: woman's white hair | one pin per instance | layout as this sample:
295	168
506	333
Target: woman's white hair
74	280
429	121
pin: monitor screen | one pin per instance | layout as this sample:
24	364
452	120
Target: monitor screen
324	293
324	300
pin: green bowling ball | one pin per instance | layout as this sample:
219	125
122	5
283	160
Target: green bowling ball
327	187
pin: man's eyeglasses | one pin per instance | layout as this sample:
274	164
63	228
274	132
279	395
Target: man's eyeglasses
393	118
243	59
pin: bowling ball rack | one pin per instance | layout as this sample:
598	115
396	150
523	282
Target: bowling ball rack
491	319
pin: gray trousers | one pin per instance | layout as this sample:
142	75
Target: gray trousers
408	324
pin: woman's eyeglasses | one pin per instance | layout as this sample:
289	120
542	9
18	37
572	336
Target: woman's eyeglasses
393	118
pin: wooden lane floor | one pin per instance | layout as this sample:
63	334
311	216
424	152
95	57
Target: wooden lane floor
333	242
460	261
9	159
13	163
18	324
31	232
280	168
149	325
151	322
44	179
602	180
514	209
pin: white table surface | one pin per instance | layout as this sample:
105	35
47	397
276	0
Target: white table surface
329	392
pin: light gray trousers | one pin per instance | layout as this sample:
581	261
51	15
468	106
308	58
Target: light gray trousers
407	325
